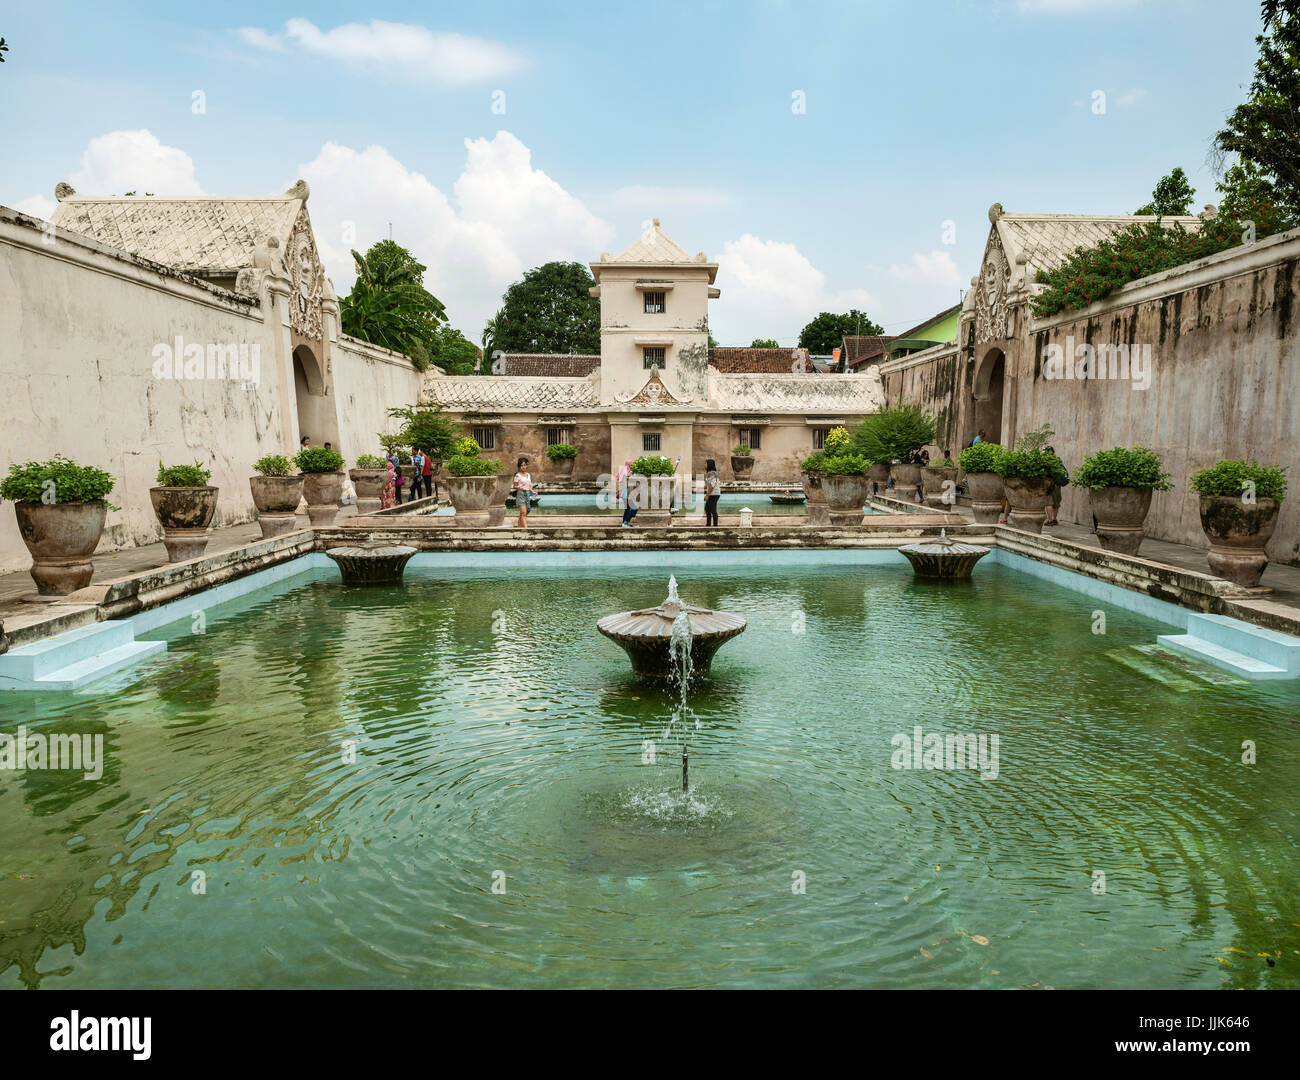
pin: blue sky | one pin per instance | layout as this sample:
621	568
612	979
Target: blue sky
494	135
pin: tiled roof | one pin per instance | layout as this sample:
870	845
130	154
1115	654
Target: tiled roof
519	393
550	365
189	234
772	361
1046	239
826	394
654	246
865	348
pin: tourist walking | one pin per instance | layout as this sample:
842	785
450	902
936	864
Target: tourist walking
398	479
524	490
428	475
417	477
621	481
388	497
712	492
630	505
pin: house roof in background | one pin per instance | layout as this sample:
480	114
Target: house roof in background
762	361
555	365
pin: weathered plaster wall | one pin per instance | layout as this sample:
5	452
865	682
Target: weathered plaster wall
78	326
368	380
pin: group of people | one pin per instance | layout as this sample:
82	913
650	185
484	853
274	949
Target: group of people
395	482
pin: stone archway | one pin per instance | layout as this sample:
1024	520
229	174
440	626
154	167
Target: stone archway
315	408
988	389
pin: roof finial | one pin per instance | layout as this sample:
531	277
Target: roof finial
63	191
300	190
656	223
995	212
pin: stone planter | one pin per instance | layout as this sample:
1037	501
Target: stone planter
985	496
906	477
276	499
939	493
654	500
322	492
370	488
879	477
815	499
1028	499
1120	512
1237	532
742	465
61	538
184	514
473	497
562	468
845	497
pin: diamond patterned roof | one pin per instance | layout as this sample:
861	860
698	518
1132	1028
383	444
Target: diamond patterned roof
188	234
855	394
654	246
1046	239
519	392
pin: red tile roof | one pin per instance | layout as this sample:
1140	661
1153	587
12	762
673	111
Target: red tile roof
550	365
865	348
762	361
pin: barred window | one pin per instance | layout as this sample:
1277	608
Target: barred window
819	438
557	436
654	357
654	303
751	437
486	438
650	442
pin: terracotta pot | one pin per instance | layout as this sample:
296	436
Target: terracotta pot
654	500
879	477
742	465
474	498
1028	499
184	514
322	492
61	538
562	468
985	496
906	477
815	499
940	485
370	488
276	499
845	497
1238	533
1120	512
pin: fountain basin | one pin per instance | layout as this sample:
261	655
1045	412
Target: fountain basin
646	636
371	563
943	559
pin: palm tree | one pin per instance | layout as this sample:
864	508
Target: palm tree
388	304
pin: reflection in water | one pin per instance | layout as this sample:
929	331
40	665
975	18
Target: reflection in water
323	789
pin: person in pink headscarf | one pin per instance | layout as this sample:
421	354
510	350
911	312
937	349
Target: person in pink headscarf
389	496
620	483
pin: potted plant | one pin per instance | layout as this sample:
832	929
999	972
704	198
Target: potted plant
980	462
939	482
277	490
322	483
429	428
368	478
1120	483
471	483
653	476
561	456
185	505
60	507
1027	473
1239	505
894	435
742	461
843	478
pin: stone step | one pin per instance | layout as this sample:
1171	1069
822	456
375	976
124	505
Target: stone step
1273	648
1162	673
34	661
1188	666
77	675
1247	667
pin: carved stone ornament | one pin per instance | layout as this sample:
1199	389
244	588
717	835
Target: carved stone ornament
654	392
991	293
308	277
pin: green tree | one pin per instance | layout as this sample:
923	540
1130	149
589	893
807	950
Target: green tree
454	352
827	332
550	311
424	427
1172	196
1265	129
3	49
764	343
390	306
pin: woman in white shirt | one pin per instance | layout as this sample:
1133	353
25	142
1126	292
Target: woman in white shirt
524	491
712	492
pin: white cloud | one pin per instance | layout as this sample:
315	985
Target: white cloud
771	289
36	205
652	201
504	217
927	268
123	161
403	50
1130	98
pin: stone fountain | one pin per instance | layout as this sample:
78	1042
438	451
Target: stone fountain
671	641
945	559
372	563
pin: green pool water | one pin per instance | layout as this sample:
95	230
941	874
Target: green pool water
499	738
